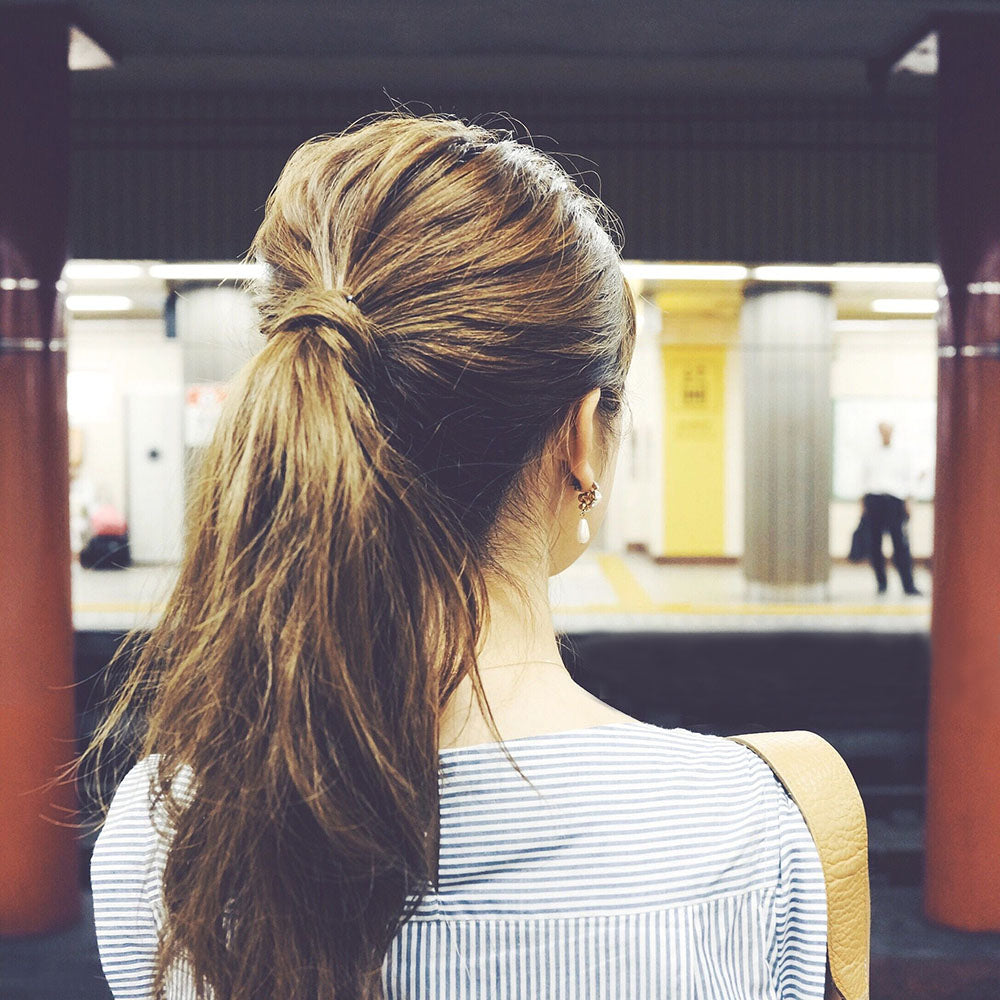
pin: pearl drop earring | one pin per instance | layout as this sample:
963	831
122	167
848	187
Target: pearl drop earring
587	499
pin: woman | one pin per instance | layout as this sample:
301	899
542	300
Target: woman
323	809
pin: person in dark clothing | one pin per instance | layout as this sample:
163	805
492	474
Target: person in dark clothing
888	479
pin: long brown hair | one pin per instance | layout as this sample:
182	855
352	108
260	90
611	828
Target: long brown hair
437	300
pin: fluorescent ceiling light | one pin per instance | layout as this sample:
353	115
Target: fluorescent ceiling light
206	272
922	59
881	274
882	325
85	53
101	270
18	284
98	303
917	307
636	270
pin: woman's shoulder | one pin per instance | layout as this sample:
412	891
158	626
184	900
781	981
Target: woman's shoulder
133	795
139	786
625	737
137	823
667	802
664	767
714	762
724	787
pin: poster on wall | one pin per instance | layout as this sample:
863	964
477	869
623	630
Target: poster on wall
202	409
856	435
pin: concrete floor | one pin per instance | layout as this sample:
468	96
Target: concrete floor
600	592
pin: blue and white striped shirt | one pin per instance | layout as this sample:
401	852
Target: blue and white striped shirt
644	864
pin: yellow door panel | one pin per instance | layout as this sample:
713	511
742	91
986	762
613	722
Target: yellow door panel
694	444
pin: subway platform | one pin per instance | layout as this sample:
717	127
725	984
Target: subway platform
606	592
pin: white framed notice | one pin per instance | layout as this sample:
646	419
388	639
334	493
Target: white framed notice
855	434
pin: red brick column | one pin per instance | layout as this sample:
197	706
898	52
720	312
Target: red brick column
963	819
38	857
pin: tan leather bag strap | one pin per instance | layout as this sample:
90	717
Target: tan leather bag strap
821	785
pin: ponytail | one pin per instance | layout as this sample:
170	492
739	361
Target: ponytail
312	734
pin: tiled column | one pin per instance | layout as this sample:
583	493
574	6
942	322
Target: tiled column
786	341
963	808
38	848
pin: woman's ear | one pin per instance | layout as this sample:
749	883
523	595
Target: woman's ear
582	440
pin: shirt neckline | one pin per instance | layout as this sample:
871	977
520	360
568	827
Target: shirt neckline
491	745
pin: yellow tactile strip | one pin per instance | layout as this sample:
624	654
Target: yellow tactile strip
633	599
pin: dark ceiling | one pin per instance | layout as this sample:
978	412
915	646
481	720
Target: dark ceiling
800	47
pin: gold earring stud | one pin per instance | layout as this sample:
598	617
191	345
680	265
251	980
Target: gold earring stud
586	500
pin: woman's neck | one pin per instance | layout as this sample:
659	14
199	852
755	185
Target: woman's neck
527	687
520	628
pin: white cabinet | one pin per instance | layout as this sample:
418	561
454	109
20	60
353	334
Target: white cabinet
154	436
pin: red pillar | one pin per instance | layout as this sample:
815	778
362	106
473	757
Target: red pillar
38	849
963	818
